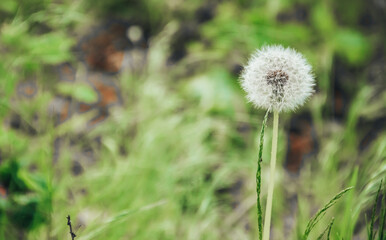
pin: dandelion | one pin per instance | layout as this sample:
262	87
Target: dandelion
277	79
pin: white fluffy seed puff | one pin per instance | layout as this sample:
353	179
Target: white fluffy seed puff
277	78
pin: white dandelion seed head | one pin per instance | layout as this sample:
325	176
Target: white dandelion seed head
277	78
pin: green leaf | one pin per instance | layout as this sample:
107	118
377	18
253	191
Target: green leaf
52	48
322	18
8	5
14	34
352	45
216	91
79	91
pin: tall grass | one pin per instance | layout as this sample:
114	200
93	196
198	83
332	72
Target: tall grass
314	220
183	133
258	177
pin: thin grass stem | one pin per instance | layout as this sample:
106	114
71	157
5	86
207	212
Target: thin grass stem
382	221
371	234
320	214
328	229
258	177
268	210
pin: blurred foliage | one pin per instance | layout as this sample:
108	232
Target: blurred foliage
26	203
174	158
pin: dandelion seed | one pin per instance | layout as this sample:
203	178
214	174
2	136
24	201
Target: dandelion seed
277	78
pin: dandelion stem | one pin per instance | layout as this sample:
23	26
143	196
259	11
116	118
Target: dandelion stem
268	210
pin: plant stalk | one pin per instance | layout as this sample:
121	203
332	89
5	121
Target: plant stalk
268	210
258	178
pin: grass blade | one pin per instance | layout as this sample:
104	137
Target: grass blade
382	221
122	216
371	234
314	220
258	177
328	228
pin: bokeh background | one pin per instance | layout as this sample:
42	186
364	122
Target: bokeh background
128	116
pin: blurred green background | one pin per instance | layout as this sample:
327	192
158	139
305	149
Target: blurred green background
128	116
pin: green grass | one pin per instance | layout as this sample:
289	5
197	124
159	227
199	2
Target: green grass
327	230
314	220
185	131
258	177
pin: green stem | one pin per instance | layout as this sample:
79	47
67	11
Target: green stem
268	210
258	177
